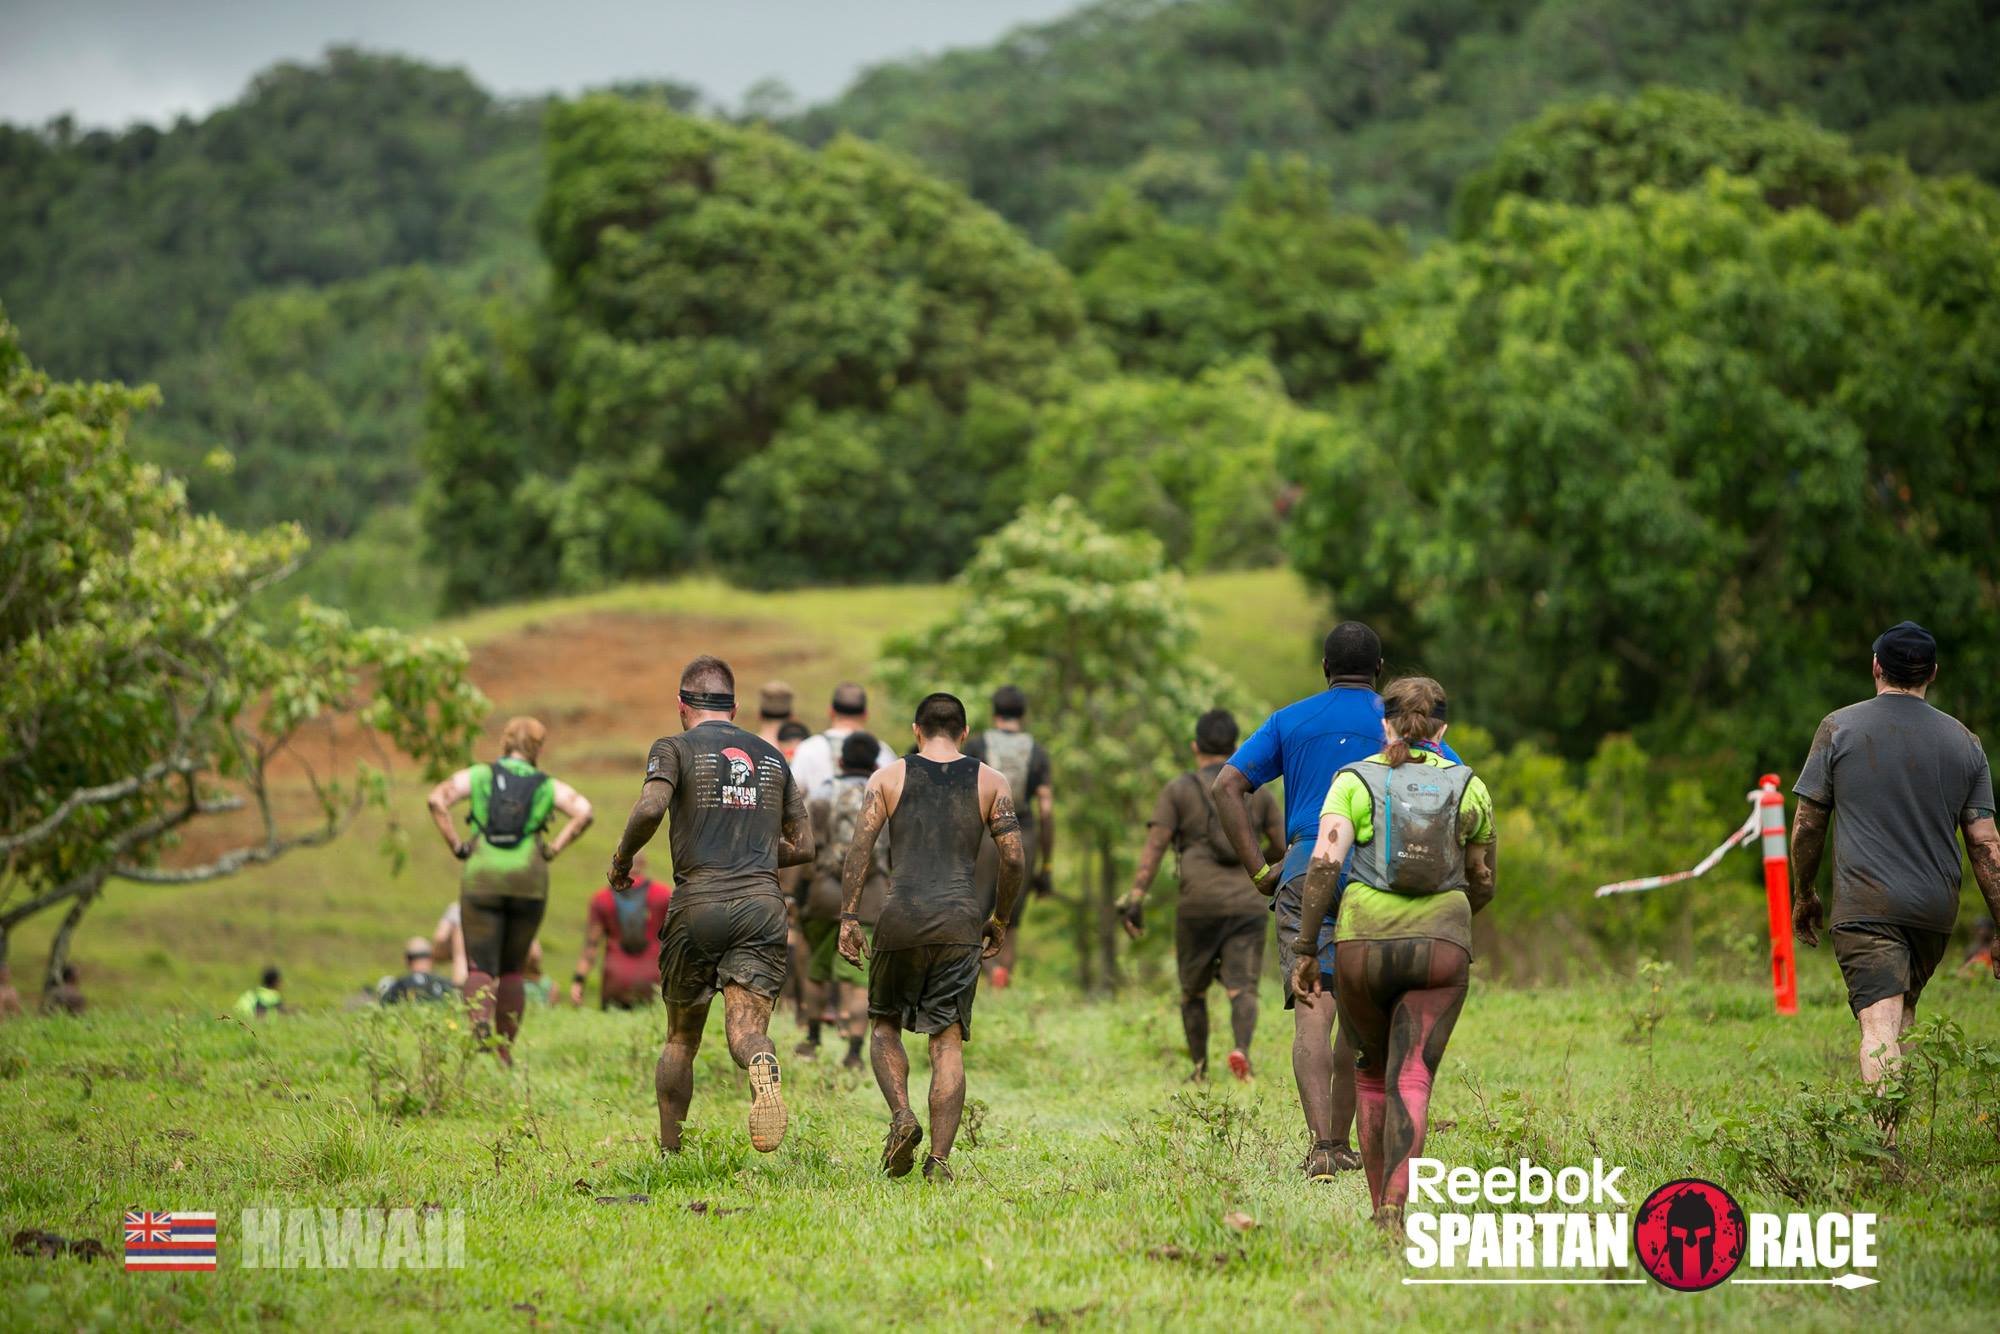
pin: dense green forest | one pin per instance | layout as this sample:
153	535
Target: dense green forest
1358	282
1399	100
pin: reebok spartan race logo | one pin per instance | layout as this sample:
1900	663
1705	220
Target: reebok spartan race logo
739	785
1688	1235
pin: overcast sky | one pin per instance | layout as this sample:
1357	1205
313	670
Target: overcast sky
111	62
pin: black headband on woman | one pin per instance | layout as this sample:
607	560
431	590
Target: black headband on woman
708	702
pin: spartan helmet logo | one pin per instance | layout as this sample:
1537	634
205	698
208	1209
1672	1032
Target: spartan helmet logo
741	771
1690	1235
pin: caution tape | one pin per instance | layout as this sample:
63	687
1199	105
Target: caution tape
1744	833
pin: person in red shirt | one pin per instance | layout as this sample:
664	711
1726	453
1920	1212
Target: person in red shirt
627	926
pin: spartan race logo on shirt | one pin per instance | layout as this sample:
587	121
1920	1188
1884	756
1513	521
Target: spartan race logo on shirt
1689	1235
739	789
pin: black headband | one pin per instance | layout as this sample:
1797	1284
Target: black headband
709	702
1439	711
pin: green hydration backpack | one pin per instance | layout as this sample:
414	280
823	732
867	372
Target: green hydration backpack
511	806
1416	848
1012	753
1219	846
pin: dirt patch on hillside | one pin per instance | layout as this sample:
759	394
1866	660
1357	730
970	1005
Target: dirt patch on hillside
604	683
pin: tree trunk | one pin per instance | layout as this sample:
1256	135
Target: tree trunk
1107	913
52	976
1081	937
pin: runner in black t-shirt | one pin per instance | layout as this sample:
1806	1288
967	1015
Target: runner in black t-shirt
934	924
737	818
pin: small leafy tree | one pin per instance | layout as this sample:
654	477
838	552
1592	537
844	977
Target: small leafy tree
145	689
1097	631
1282	274
1193	463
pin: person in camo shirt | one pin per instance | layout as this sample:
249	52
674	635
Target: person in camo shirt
837	984
1221	920
1899	782
1008	747
738	817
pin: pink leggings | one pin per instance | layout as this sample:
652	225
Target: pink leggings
1398	999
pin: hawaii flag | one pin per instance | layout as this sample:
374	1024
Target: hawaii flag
176	1242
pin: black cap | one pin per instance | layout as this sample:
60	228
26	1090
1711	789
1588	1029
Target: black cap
1907	652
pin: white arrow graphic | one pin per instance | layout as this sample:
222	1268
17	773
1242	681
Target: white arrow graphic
1849	1281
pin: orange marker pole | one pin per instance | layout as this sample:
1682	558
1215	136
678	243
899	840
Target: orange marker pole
1778	892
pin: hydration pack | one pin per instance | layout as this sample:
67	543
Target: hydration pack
1219	846
510	806
1012	753
1416	848
850	797
629	905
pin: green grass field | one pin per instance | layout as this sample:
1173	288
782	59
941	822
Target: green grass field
1092	1195
1093	1185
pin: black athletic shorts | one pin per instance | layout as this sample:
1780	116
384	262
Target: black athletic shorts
1883	960
925	988
708	943
1229	950
499	929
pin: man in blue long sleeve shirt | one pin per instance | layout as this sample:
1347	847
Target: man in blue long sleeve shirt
1306	744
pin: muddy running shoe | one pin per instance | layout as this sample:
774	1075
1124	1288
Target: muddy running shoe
806	1051
852	1061
1198	1075
1239	1065
1001	977
767	1104
1346	1159
937	1171
899	1150
1321	1164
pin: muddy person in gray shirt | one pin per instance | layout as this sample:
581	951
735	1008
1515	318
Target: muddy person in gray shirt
1898	781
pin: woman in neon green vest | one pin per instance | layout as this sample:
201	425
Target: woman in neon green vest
504	888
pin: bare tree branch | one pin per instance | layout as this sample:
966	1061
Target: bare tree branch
231	862
143	832
93	796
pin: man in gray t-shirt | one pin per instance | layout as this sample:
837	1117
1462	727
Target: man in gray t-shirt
1903	779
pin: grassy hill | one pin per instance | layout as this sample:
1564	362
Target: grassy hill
601	670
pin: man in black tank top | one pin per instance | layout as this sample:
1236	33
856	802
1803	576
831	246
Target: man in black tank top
737	818
934	924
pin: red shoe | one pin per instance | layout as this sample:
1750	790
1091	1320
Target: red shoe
1000	978
1239	1065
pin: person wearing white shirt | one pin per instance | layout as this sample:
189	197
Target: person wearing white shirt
816	761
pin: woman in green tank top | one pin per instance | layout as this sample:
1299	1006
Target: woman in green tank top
1421	830
504	886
